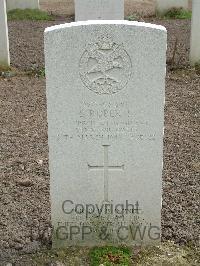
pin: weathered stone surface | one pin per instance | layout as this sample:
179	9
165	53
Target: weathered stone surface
99	9
195	34
105	95
4	43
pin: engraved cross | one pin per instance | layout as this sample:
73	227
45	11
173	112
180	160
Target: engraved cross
106	167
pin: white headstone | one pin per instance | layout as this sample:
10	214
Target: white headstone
22	4
164	5
195	33
99	10
4	43
105	95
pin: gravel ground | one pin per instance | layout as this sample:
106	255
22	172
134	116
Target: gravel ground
178	40
24	189
26	37
181	175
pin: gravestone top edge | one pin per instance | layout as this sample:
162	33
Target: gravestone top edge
105	22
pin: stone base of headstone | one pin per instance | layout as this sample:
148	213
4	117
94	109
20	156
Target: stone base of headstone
22	4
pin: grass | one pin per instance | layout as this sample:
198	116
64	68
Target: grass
177	13
9	72
108	256
197	66
28	14
4	68
41	73
72	256
133	17
167	254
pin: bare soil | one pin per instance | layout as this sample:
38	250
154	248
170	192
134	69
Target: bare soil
24	189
